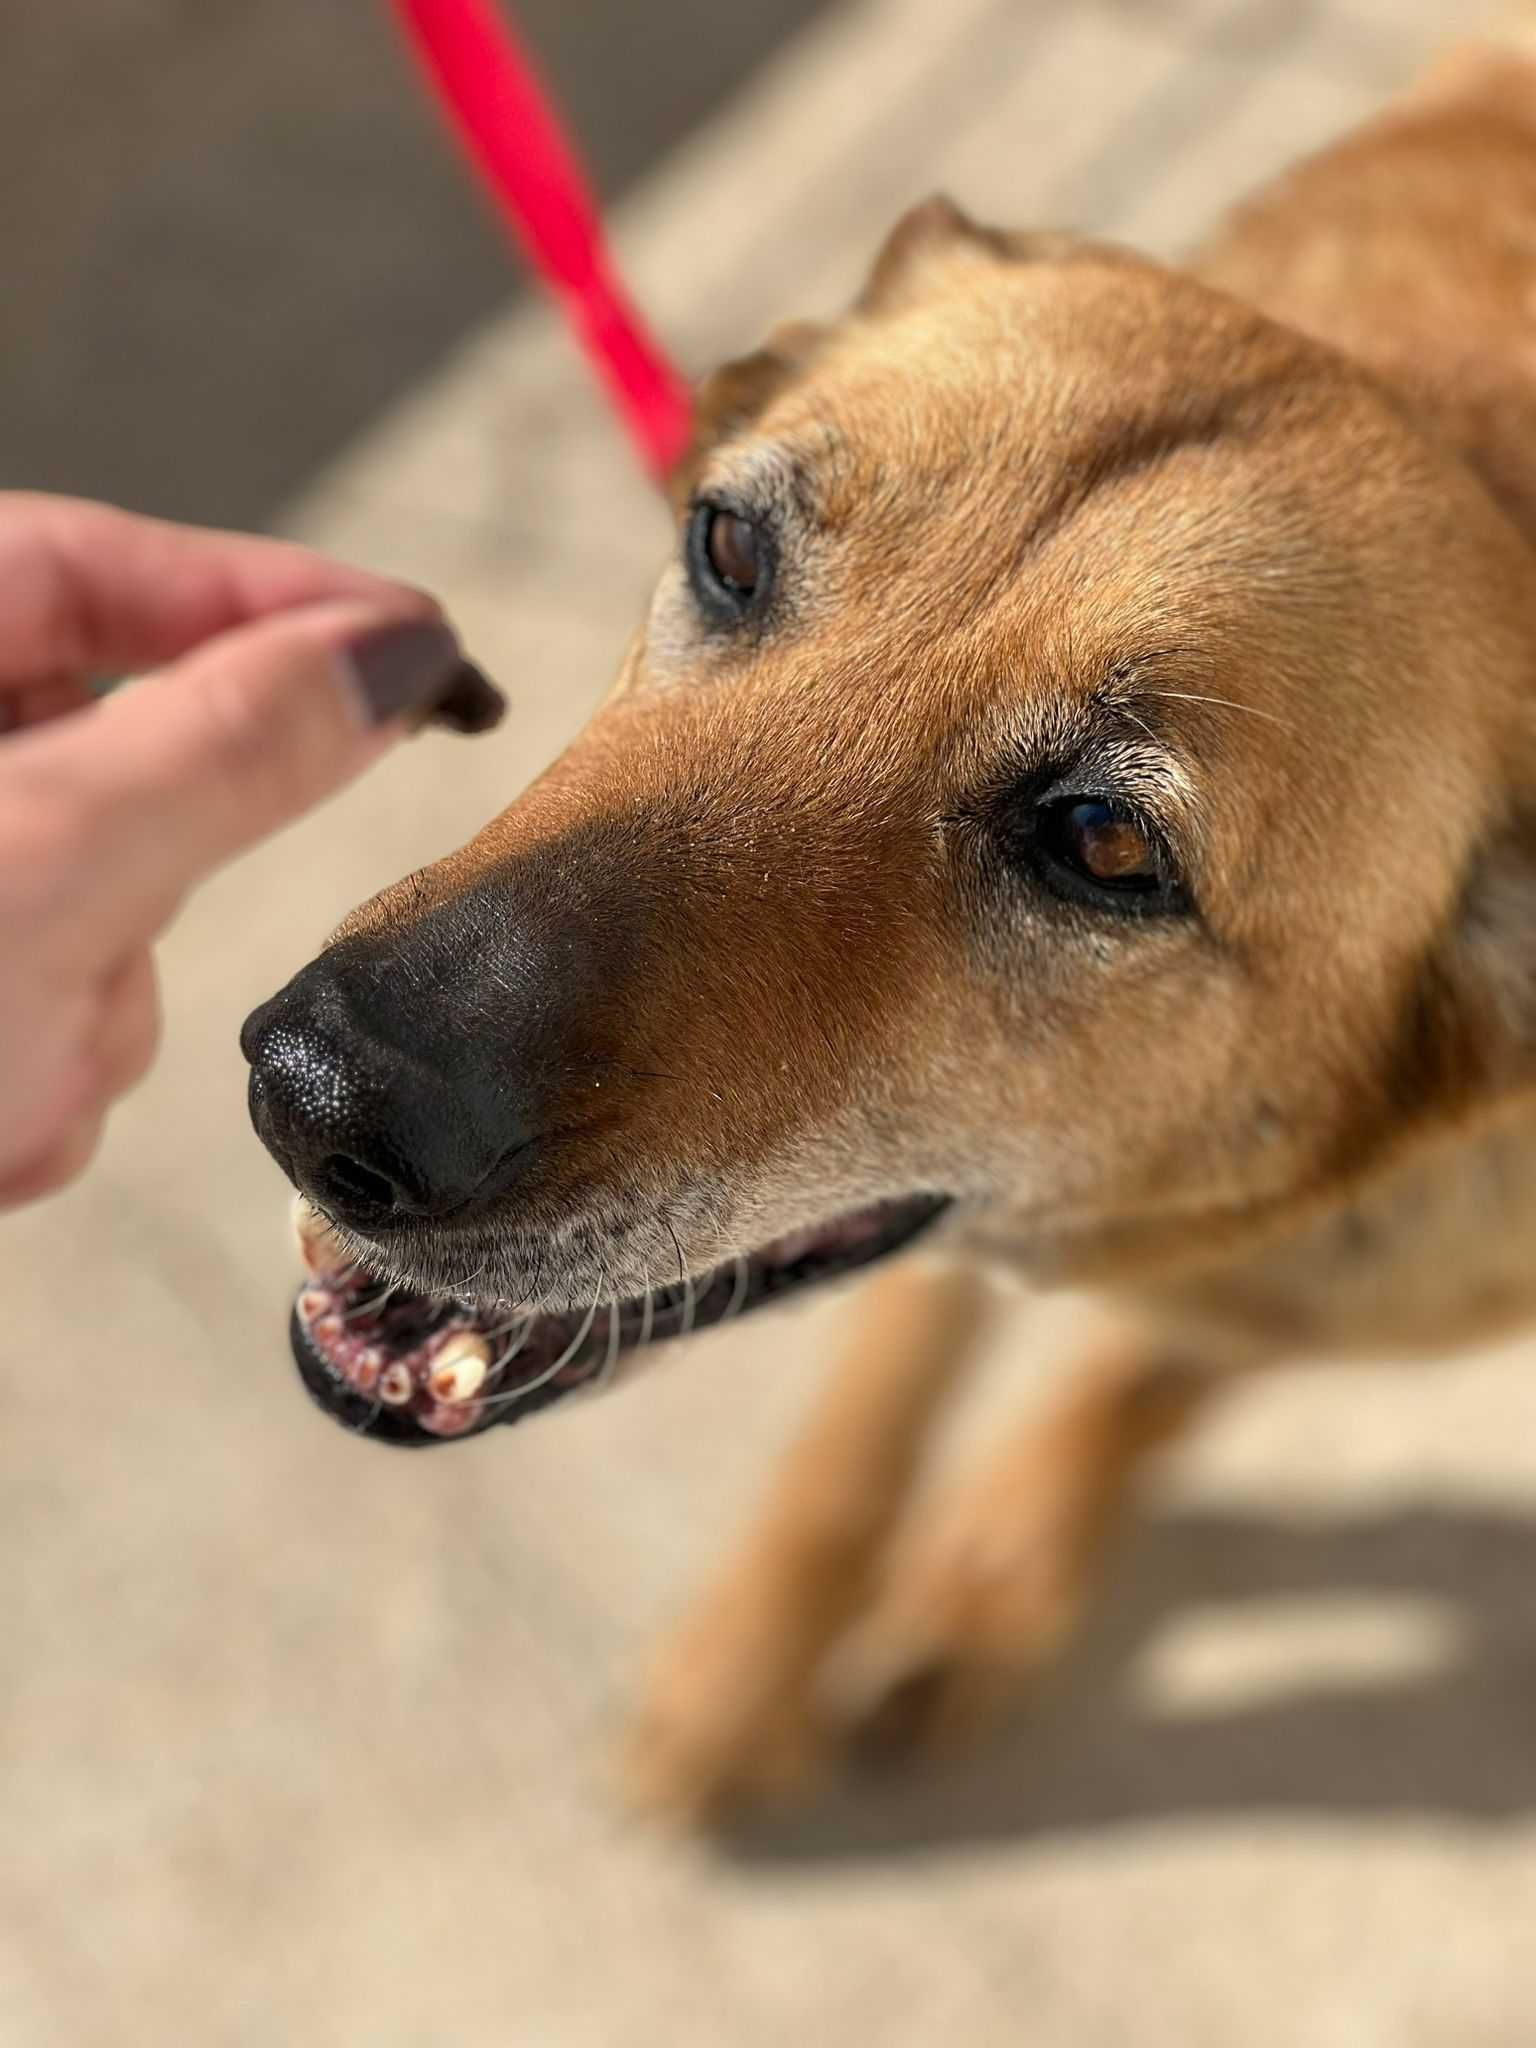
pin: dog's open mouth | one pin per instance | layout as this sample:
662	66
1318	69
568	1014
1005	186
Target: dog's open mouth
416	1369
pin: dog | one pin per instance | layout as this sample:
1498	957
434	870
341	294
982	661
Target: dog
1070	808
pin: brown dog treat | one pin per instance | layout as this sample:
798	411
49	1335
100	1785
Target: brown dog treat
469	703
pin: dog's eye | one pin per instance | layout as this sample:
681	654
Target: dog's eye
1096	848
731	545
725	557
1101	843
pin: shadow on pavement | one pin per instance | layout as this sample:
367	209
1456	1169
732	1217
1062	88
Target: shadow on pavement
1459	1742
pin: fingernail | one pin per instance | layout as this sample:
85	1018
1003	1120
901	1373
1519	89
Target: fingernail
471	702
402	668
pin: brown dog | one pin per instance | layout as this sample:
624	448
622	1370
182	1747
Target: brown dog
1073	798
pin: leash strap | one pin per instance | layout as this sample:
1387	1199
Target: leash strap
508	127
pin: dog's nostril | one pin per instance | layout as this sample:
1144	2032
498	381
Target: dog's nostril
354	1182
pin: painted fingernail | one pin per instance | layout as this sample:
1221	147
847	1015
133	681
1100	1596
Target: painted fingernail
471	702
402	668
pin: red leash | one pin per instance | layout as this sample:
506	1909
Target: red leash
506	123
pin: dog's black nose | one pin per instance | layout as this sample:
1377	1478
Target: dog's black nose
384	1118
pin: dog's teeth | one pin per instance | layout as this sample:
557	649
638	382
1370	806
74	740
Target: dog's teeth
396	1385
366	1369
319	1245
459	1369
314	1303
450	1418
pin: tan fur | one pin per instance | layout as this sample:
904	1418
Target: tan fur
1264	533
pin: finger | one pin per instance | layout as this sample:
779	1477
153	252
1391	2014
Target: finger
151	789
123	1049
25	704
102	1042
90	589
65	1160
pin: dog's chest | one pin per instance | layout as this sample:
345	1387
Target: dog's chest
1441	1255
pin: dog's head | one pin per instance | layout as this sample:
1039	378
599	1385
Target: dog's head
1073	766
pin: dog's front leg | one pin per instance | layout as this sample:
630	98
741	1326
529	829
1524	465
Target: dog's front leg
983	1593
727	1716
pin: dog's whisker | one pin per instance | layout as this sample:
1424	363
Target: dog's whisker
690	1305
740	1284
505	1357
611	1356
371	1304
520	1313
542	1379
461	1287
364	1422
647	1310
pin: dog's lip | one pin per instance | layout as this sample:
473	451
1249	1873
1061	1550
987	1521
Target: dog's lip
333	1325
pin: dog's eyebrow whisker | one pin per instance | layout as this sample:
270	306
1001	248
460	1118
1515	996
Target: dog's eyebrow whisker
1141	724
647	1311
1226	703
690	1305
681	1269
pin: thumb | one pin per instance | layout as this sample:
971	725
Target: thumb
192	764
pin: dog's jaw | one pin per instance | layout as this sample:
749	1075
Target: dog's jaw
413	1369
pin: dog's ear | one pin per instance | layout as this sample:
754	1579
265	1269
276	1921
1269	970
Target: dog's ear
929	238
1495	956
732	397
1466	1041
926	241
930	241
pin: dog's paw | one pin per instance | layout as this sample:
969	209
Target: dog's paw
961	1629
721	1729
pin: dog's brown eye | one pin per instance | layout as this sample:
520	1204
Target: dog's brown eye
732	548
1109	848
1102	844
727	560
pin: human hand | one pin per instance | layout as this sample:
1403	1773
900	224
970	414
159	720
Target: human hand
277	677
